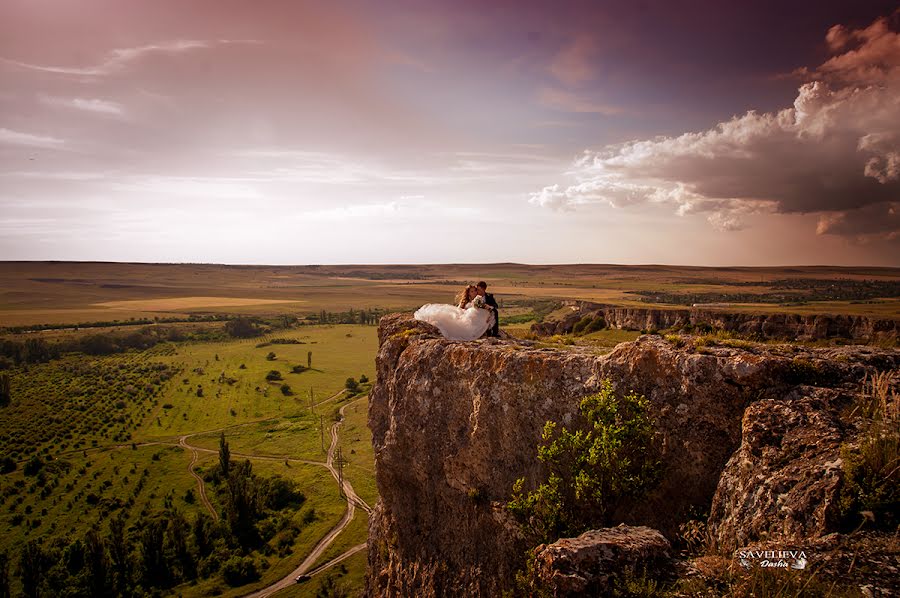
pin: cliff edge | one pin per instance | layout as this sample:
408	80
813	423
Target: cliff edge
454	424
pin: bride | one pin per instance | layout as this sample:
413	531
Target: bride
466	321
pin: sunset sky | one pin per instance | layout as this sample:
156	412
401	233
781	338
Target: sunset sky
292	132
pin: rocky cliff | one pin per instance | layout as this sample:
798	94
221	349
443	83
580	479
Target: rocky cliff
763	326
455	424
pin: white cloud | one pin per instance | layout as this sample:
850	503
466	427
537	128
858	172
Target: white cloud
119	58
95	105
836	152
217	188
10	137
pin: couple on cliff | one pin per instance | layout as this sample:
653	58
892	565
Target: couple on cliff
475	314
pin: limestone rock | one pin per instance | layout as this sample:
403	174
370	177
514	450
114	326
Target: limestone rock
784	481
589	564
454	424
764	326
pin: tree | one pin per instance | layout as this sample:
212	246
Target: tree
352	385
363	379
242	505
33	466
238	570
274	375
5	395
241	328
119	554
286	390
177	545
204	531
4	574
97	563
154	569
32	565
224	455
605	457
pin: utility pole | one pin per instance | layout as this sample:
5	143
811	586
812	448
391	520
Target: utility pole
312	406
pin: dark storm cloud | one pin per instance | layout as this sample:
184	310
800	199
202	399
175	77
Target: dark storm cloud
836	151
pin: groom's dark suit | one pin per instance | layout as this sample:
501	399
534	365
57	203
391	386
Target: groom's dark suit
489	300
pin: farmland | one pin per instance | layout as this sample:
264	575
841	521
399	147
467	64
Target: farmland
36	293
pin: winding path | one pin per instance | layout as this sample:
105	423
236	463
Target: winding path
200	485
353	501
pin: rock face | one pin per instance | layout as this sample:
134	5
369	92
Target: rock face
586	565
454	424
763	326
783	483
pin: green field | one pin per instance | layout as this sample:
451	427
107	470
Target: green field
103	434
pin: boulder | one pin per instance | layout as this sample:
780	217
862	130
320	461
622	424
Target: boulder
590	564
783	482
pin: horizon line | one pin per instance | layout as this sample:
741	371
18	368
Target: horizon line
432	264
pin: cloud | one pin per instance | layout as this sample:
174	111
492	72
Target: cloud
95	105
10	137
874	221
835	152
119	58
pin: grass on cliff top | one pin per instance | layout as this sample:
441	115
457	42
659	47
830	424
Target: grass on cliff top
601	342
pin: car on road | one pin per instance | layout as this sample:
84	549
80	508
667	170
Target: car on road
302	578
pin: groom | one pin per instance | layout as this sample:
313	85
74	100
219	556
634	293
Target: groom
481	287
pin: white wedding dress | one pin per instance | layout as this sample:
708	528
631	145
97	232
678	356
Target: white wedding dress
455	323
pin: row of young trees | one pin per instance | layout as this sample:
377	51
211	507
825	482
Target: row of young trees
366	317
165	547
36	350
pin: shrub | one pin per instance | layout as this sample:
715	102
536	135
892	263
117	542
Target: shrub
598	323
286	390
870	491
242	328
581	324
605	458
33	466
351	385
274	375
237	571
363	379
271	356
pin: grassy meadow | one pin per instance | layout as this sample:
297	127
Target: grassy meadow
106	430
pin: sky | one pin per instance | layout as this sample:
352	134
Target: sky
294	132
